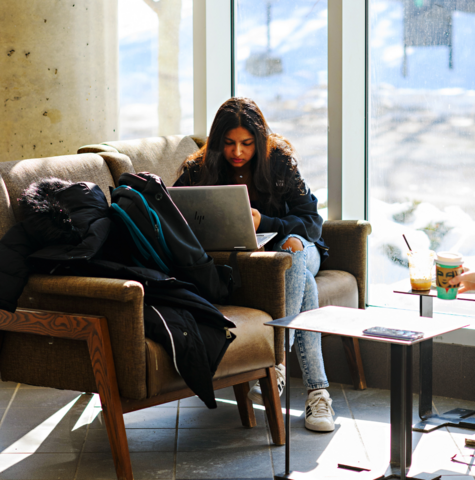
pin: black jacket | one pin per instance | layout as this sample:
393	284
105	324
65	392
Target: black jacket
193	332
67	230
297	210
64	223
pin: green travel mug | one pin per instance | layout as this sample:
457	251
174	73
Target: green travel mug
448	265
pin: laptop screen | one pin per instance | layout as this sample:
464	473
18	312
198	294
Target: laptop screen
220	216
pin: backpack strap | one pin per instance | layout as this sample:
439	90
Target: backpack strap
154	220
139	239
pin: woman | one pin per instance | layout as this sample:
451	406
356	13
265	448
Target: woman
241	150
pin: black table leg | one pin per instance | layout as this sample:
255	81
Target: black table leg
430	421
425	379
286	474
426	309
401	415
287	401
426	306
401	407
401	412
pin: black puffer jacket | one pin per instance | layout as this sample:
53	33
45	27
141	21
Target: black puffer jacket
63	222
67	230
193	332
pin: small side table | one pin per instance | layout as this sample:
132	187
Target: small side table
430	421
351	322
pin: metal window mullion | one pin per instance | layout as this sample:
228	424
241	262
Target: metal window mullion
346	109
233	17
212	60
335	108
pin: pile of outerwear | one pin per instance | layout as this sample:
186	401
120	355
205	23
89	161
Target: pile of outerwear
68	229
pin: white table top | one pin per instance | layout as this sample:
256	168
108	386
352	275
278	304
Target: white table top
351	322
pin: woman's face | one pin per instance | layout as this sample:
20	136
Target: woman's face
239	147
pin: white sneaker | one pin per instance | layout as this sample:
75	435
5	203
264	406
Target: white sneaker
255	393
319	411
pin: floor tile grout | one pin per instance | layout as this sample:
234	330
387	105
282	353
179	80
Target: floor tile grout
269	446
9	404
175	453
447	429
436	410
267	450
81	452
355	423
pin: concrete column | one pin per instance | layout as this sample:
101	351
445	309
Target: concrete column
58	76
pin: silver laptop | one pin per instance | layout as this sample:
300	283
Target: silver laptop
220	216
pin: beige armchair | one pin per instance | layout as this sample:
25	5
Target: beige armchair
342	278
87	334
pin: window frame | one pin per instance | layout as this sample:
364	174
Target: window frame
348	66
348	98
347	109
213	47
213	27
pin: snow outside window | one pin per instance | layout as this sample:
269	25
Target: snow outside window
421	166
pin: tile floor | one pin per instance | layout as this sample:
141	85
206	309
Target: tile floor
52	434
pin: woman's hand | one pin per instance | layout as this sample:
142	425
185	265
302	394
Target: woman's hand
256	218
466	280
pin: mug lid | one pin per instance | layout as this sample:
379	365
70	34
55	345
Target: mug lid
449	258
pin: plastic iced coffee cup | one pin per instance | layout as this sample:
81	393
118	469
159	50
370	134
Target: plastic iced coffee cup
448	265
421	263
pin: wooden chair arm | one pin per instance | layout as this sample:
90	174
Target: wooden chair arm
95	332
119	301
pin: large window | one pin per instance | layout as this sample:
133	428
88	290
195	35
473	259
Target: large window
422	137
155	67
281	63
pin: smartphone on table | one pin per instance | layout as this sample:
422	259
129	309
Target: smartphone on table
396	333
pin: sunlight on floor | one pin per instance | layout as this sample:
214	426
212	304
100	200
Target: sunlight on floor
345	434
90	413
293	413
355	442
30	442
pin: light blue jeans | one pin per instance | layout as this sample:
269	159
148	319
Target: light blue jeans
301	294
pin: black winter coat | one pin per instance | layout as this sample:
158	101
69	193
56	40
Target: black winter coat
297	210
41	244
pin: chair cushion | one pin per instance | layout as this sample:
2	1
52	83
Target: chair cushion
337	288
253	348
7	218
18	175
159	155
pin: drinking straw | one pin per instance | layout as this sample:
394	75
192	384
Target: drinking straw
407	243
